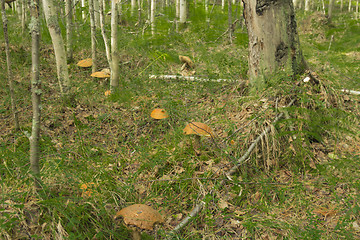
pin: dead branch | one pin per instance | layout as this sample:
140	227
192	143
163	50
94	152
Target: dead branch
189	78
350	91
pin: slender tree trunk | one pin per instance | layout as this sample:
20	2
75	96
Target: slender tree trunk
8	63
349	9
93	35
58	43
23	15
103	33
152	16
206	3
133	7
182	19
82	10
273	40
35	94
69	30
139	11
357	10
96	13
330	9
307	5
114	79
230	21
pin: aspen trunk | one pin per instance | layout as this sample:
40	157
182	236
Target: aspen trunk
114	79
152	16
69	30
35	94
103	33
273	40
58	44
182	11
93	35
8	63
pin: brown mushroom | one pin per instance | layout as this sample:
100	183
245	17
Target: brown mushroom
198	129
159	113
139	217
85	63
100	75
186	62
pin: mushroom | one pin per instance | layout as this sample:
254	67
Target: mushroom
186	62
198	129
85	63
100	75
159	113
139	217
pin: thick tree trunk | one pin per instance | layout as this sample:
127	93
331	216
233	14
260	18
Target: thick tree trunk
35	94
58	43
8	63
114	79
273	40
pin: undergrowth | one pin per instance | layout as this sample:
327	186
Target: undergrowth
100	154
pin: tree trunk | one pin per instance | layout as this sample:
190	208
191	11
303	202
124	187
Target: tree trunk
133	7
152	16
330	9
58	43
93	35
103	33
114	79
8	63
182	19
230	21
82	10
35	94
273	40
69	30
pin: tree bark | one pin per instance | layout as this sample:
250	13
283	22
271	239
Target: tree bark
8	64
93	35
152	16
58	44
69	30
182	19
273	40
114	79
35	94
103	33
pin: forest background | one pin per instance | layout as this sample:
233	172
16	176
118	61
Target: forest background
101	151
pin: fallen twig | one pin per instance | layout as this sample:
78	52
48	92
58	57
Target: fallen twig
190	78
350	91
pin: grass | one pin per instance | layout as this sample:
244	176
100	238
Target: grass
301	182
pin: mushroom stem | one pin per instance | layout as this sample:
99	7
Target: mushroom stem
136	235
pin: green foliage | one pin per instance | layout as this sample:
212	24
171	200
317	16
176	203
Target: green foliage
110	143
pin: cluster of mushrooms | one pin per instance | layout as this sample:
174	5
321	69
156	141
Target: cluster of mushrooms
140	217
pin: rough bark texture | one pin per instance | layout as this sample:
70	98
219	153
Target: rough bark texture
58	43
35	93
8	64
273	40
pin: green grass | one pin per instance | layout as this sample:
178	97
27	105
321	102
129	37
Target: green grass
301	182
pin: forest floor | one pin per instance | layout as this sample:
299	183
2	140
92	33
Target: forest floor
101	153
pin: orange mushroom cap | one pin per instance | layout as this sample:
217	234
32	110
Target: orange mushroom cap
85	63
159	113
100	75
198	128
140	215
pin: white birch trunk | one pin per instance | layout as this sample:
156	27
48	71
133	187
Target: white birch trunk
69	30
341	5
222	4
307	5
133	7
8	66
82	11
152	16
93	36
96	13
349	9
114	79
206	3
103	33
58	44
177	9
35	94
357	10
182	11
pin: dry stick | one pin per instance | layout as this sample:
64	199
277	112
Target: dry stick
190	78
233	170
